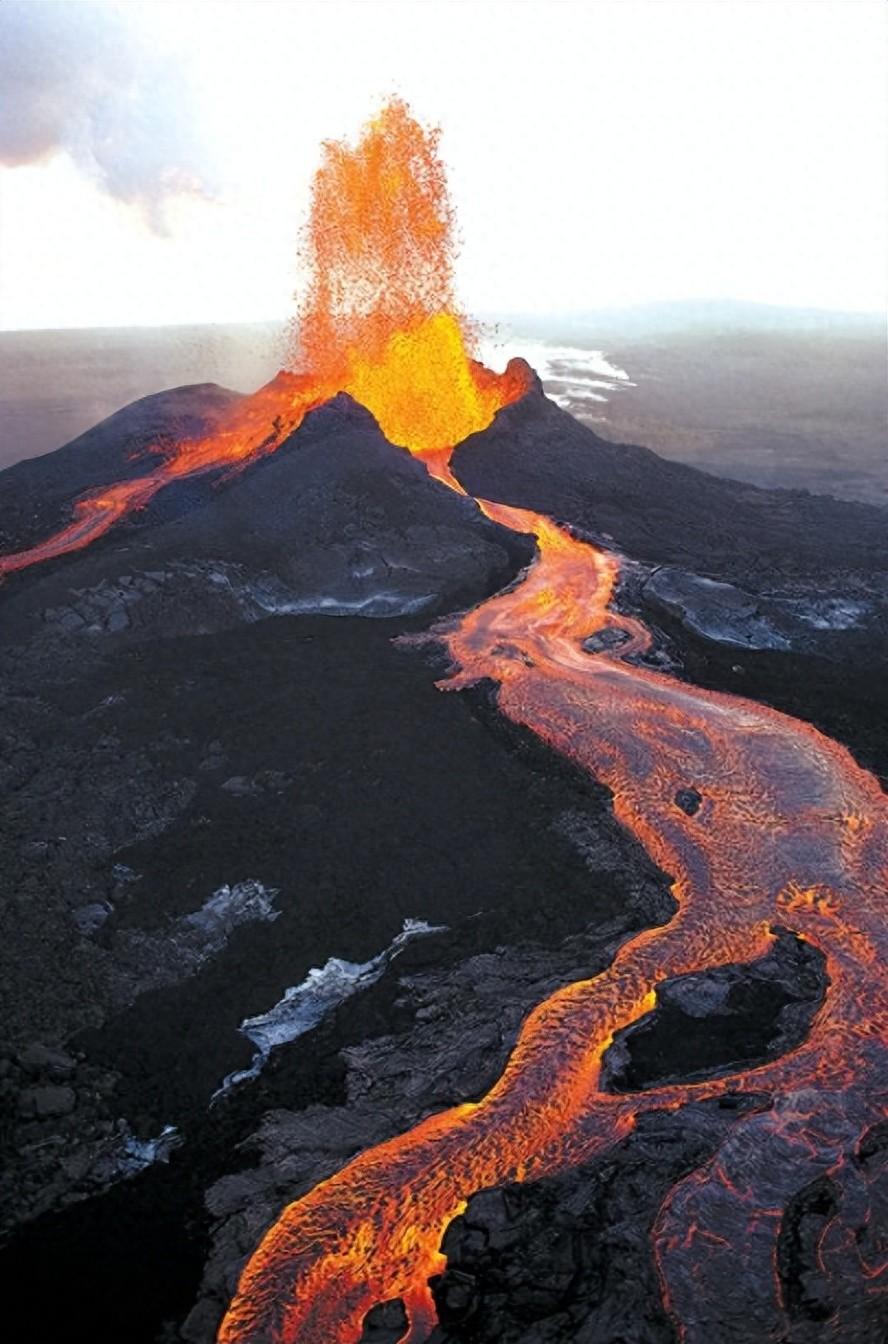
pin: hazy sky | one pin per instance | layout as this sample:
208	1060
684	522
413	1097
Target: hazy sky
158	156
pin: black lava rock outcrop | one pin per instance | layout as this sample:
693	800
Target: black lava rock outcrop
713	1021
537	456
36	494
337	521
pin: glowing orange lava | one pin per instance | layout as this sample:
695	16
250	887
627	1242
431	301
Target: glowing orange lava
380	318
379	321
792	833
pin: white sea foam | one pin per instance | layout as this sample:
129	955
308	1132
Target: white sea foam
568	372
305	1005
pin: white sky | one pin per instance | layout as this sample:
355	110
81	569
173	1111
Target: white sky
600	153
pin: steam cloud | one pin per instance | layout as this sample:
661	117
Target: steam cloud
76	79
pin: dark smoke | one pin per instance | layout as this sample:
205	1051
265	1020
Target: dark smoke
77	79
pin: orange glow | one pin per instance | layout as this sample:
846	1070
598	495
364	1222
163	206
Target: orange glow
380	318
771	845
791	831
379	321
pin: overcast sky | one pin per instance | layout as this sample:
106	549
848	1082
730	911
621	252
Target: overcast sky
157	157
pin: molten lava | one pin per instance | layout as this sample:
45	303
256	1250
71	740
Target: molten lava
379	320
790	832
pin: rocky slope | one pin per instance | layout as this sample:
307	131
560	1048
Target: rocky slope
37	493
337	520
220	806
537	456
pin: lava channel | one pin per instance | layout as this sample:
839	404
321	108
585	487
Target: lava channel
792	833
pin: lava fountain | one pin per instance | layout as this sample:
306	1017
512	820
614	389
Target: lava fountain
791	833
378	320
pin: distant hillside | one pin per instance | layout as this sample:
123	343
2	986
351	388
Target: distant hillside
773	396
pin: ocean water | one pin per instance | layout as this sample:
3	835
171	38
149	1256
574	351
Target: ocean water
796	404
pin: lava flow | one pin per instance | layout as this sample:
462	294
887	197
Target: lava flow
791	833
378	320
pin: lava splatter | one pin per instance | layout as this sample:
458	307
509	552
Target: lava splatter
789	833
379	320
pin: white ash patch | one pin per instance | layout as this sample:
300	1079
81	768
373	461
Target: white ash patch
228	907
129	1155
151	959
836	613
304	1005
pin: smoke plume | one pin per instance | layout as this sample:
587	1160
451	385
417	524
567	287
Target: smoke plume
77	79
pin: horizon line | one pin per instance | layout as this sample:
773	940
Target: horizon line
485	314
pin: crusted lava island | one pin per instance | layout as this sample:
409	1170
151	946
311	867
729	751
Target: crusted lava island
445	854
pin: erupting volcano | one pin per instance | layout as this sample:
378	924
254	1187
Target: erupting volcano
379	321
787	833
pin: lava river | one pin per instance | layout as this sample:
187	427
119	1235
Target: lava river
791	834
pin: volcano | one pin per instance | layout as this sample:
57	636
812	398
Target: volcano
339	1008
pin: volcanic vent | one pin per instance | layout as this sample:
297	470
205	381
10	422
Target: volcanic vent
787	841
379	321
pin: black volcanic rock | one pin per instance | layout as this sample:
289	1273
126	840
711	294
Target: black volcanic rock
726	614
164	749
385	1323
336	521
537	456
364	796
394	1080
568	1260
36	494
689	801
712	1021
